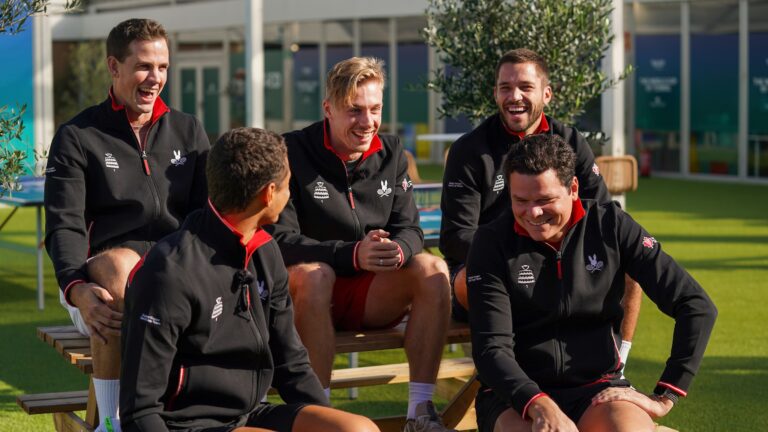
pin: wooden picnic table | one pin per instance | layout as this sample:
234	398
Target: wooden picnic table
456	374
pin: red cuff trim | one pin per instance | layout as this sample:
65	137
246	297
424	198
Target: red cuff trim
681	392
70	285
402	255
355	264
525	409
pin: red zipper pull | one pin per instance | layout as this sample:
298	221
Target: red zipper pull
145	162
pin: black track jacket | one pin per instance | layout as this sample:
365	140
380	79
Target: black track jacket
330	211
202	339
543	319
102	190
474	188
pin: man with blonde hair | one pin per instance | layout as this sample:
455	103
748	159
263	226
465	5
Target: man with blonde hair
351	239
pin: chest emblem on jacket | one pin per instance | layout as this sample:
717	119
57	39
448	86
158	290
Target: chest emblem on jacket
385	189
595	169
263	293
110	161
498	185
321	192
525	275
218	308
649	242
178	159
594	265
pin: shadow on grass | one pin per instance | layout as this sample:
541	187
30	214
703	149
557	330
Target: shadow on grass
728	393
13	291
731	264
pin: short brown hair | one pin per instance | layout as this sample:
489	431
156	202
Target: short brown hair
241	163
343	79
537	153
121	36
524	55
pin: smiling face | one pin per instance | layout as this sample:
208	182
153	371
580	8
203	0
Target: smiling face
521	93
354	125
541	204
138	80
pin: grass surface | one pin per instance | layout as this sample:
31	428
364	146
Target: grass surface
719	232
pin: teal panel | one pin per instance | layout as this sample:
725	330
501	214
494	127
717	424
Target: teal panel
273	83
236	89
211	107
188	91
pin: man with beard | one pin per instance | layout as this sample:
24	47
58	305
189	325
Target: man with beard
475	189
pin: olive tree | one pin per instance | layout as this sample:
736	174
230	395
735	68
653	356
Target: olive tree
13	16
470	36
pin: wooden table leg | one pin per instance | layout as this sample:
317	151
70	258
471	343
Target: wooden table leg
461	402
92	410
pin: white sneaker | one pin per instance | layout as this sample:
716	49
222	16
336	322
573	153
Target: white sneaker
427	420
109	425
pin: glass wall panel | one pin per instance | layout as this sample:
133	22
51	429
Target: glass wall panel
374	42
412	96
757	143
657	85
714	88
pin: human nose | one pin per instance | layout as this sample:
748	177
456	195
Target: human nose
536	211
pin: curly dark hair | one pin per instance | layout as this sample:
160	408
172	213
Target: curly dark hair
535	154
241	163
121	36
524	55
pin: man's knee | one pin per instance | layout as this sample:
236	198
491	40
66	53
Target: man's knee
110	269
432	274
311	284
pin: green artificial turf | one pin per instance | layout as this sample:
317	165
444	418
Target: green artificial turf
718	231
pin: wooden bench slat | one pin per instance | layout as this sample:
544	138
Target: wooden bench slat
395	373
47	403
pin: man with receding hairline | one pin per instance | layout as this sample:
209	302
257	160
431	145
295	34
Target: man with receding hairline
120	175
350	236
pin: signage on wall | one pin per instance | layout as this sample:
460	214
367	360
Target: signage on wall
657	83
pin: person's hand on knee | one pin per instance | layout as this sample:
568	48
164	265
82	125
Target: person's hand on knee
547	416
654	406
98	309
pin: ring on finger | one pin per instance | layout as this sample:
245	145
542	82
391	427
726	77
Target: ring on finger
381	261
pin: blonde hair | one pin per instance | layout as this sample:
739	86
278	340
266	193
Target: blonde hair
343	79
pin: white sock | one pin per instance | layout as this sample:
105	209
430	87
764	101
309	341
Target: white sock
327	392
418	393
624	353
107	398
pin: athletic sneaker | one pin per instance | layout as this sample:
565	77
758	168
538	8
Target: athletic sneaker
427	420
110	425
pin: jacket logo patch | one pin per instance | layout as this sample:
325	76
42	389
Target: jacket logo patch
474	278
321	192
649	242
263	293
455	184
406	183
525	275
498	185
218	308
594	265
595	169
178	160
149	319
110	161
385	189
50	170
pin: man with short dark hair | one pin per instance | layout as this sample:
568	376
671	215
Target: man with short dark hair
545	283
209	322
474	187
120	176
351	237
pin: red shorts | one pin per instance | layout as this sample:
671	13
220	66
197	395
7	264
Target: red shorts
348	302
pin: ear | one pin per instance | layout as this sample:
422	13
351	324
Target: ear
547	94
574	189
326	108
112	65
267	194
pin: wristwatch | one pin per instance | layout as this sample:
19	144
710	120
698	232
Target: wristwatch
669	394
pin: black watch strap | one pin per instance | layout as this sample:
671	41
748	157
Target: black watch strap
667	393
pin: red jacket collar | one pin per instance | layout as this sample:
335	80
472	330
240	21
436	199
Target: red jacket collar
259	238
543	127
375	143
577	214
158	109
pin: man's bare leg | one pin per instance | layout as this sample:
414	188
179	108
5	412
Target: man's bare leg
633	297
315	418
110	271
617	416
422	284
460	288
311	287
